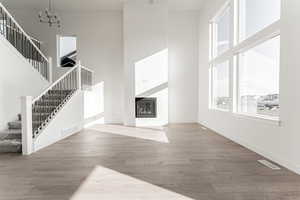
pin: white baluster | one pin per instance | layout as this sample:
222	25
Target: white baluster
50	67
79	75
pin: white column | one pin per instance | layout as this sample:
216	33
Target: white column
50	68
26	112
141	21
79	75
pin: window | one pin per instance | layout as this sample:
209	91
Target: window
221	27
256	15
250	83
259	79
221	96
67	51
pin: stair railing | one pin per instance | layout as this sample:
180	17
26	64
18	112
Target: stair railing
16	36
86	78
37	113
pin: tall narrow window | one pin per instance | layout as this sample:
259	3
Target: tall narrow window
256	15
67	51
259	79
220	86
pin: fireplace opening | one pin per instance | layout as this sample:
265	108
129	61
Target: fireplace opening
145	107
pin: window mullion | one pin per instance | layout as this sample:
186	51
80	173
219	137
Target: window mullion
235	87
236	23
231	84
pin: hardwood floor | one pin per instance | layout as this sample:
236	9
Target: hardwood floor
182	161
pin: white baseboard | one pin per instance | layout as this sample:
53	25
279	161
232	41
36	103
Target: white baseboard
269	155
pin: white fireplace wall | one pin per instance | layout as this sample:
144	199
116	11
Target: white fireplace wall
151	80
145	39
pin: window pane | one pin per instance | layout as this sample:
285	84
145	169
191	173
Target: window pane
67	51
259	79
222	31
256	15
221	96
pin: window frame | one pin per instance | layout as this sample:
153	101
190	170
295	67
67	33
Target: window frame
213	106
238	99
213	30
241	35
58	44
237	47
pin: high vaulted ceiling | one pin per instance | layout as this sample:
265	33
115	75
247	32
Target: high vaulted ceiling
92	5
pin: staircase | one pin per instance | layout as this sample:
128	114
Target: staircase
44	108
10	140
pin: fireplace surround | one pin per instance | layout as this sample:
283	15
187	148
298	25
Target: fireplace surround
146	107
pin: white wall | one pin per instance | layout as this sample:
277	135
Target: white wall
279	143
145	34
100	48
183	66
100	43
17	78
148	30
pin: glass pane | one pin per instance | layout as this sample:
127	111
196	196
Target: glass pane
222	31
256	15
221	95
67	51
259	79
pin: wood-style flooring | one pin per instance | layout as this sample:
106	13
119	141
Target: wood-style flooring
110	162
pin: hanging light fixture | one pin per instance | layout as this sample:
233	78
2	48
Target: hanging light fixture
49	16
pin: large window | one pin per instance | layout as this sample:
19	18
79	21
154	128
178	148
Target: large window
67	51
252	63
221	96
256	15
259	79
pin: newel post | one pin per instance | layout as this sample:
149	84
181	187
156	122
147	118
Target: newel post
79	75
26	113
50	72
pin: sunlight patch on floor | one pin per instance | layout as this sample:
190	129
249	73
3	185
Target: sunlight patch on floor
107	184
157	135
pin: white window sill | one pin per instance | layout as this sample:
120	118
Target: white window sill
220	110
260	118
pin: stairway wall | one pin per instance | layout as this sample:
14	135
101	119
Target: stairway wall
69	120
17	78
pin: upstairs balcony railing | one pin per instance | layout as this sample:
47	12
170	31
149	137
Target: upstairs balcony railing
86	78
29	48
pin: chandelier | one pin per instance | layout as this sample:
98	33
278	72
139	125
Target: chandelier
49	16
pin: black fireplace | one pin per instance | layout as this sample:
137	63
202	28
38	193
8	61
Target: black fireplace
145	107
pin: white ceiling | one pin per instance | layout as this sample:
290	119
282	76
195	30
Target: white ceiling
92	5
